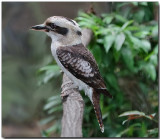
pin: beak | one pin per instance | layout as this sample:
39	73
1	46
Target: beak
40	27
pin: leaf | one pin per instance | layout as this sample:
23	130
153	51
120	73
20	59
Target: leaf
126	24
154	59
52	104
97	53
128	58
55	109
52	128
140	44
156	49
139	15
105	115
155	31
108	19
120	38
142	34
54	98
108	41
146	46
44	134
132	113
53	68
143	3
103	31
153	131
136	42
132	28
111	78
120	18
124	122
80	13
150	70
116	55
128	129
48	72
136	114
135	3
47	120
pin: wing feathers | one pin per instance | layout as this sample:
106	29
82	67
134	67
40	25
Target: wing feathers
80	62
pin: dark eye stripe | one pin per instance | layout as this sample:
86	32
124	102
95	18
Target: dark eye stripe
61	30
57	29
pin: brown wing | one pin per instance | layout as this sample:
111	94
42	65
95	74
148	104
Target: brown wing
80	62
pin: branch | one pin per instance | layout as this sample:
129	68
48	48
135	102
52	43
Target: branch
73	104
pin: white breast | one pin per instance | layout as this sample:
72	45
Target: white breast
82	86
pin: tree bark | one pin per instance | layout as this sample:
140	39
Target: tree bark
73	104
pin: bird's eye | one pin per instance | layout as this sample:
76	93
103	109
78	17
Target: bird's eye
52	25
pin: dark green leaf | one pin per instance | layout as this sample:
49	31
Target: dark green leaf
128	58
138	16
44	134
97	53
150	70
120	18
155	31
145	45
112	80
116	55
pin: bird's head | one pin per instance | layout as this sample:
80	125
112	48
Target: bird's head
61	29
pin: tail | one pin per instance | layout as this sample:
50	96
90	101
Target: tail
96	98
104	91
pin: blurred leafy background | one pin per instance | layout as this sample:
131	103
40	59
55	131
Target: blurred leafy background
125	45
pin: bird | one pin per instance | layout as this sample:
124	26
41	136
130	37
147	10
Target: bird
75	60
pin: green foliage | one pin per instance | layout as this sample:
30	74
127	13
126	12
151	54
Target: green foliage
48	72
52	106
125	46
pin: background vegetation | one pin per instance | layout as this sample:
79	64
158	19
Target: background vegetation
125	45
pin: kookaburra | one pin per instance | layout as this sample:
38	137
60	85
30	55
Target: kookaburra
75	60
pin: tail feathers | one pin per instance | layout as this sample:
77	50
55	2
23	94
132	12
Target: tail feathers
105	92
96	98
